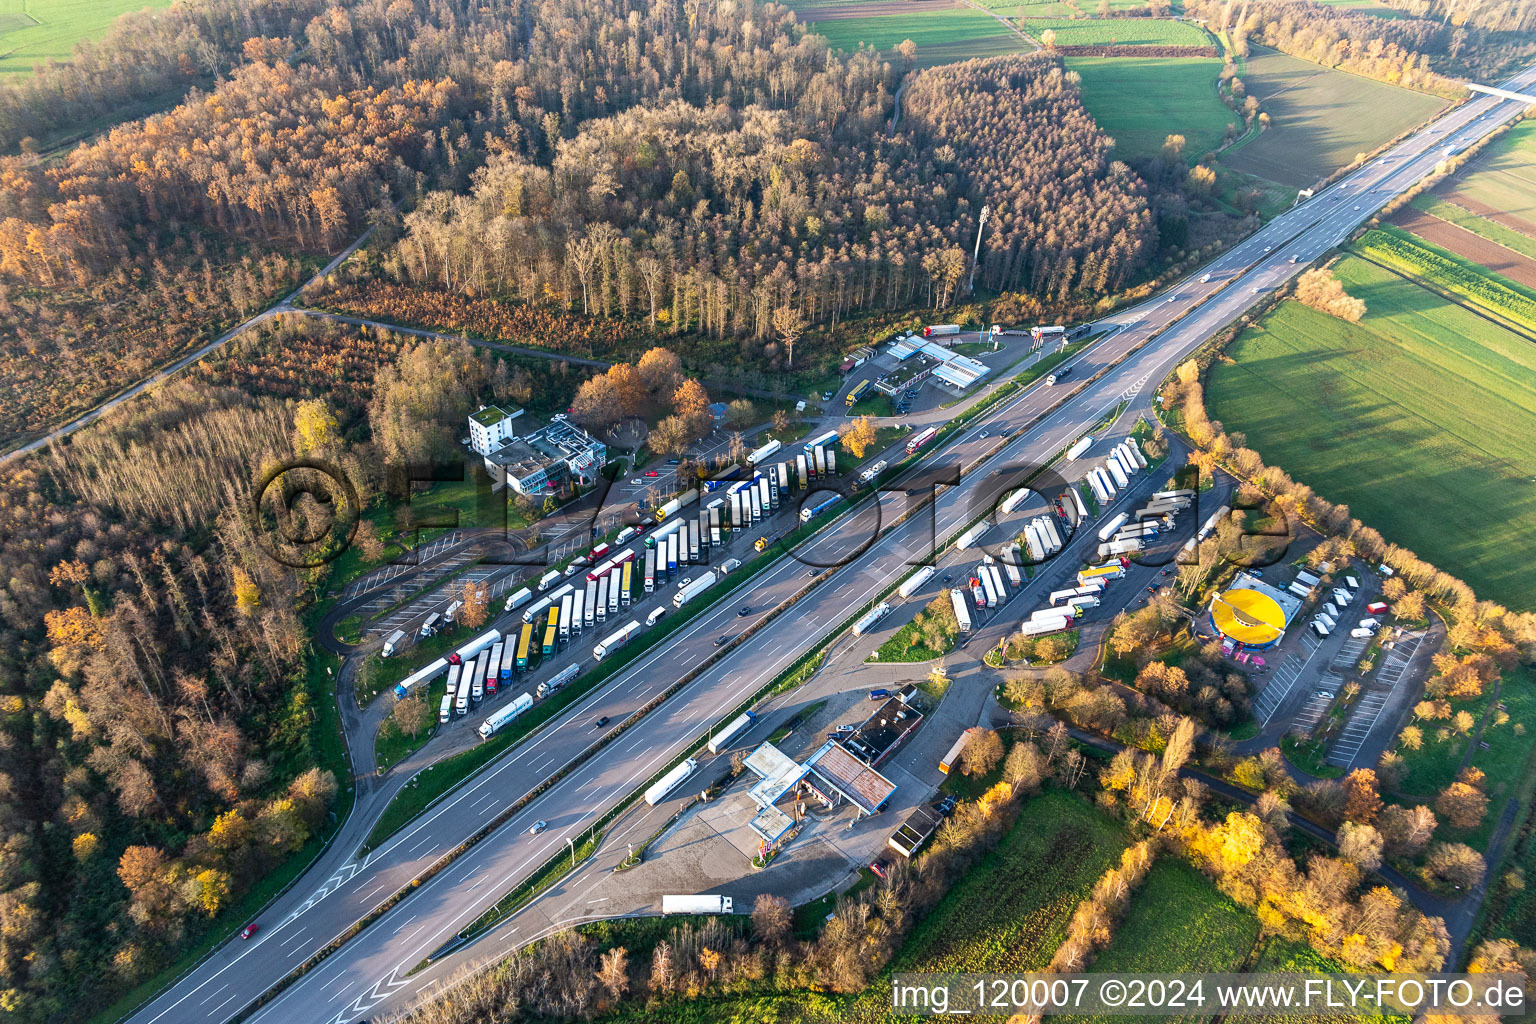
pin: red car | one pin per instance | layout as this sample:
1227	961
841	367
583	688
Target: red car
652	472
249	930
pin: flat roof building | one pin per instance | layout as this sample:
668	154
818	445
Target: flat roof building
532	460
838	775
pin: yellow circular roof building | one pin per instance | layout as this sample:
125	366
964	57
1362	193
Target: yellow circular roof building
1249	617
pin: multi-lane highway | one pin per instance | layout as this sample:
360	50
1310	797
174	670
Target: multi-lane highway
369	971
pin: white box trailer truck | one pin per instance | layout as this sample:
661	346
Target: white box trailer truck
1039	627
1099	494
997	583
962	613
1014	500
695	905
1048	523
693	589
1116	472
912	584
970	536
616	640
1032	542
549	579
993	597
1105	482
1011	567
393	644
735	727
667	783
499	719
517	599
757	457
1108	529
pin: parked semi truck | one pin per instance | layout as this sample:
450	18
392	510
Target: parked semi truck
501	718
962	613
807	514
869	619
616	640
559	679
667	783
393	644
696	905
940	330
738	725
693	589
921	439
912	584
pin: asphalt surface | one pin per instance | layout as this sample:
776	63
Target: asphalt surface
369	971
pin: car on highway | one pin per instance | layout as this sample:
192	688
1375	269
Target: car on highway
537	827
981	435
602	720
1357	206
743	611
722	639
249	930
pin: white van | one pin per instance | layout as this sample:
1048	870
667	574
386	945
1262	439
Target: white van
655	616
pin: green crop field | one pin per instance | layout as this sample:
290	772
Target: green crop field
32	31
942	36
1011	911
1179	922
1460	277
1140	101
1320	118
1422	418
1120	31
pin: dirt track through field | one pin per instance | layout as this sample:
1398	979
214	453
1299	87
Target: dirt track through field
1462	242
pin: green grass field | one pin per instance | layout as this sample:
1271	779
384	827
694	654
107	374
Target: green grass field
942	36
1120	32
1320	118
1372	7
1422	418
1179	921
1503	177
1010	912
1140	101
32	31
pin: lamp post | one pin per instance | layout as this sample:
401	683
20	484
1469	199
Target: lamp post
981	225
571	842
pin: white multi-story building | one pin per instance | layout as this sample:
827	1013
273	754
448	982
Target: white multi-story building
491	427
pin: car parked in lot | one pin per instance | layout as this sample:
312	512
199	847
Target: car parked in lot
880	866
